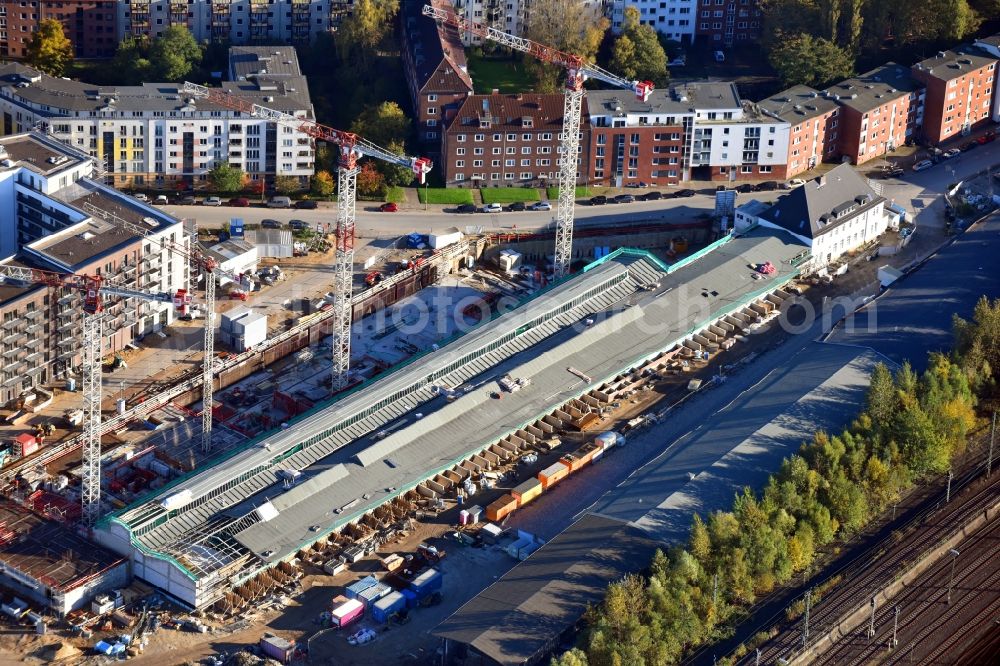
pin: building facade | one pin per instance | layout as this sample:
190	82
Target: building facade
53	217
674	18
726	23
90	25
880	111
813	133
508	140
959	87
511	16
153	136
436	70
234	21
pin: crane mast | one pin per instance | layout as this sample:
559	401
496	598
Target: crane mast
351	148
578	70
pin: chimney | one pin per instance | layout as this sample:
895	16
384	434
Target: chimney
821	181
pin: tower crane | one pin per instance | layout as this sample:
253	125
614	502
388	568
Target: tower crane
351	148
578	70
94	289
210	270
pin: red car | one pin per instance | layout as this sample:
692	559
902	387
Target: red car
241	202
388	207
987	138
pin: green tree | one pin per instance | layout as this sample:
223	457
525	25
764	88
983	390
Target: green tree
565	25
383	124
174	53
637	53
575	657
287	185
49	49
396	174
699	541
804	59
225	177
131	62
369	22
882	400
321	184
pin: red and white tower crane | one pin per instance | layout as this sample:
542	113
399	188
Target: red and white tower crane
578	70
351	148
94	289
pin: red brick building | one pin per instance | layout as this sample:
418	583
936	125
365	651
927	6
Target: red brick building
814	126
959	91
880	110
508	140
436	70
727	22
91	25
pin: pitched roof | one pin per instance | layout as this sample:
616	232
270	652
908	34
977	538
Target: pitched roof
873	89
430	43
507	111
797	104
822	204
951	64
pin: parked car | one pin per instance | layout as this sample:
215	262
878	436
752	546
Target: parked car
651	196
684	194
953	152
298	225
745	188
969	145
388	207
923	164
639	184
161	200
988	137
516	206
541	205
492	208
187	200
624	198
141	196
599	200
893	171
466	208
239	202
768	186
279	202
306	204
270	224
796	182
212	201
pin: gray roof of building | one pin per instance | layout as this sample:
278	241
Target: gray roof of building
518	619
797	104
992	40
679	99
875	88
430	43
36	151
278	61
810	210
951	64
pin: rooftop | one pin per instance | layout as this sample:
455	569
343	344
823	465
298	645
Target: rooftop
47	551
680	100
509	111
961	60
37	153
873	89
823	203
429	43
797	104
228	249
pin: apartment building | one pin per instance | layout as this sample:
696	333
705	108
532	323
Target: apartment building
436	70
880	110
991	46
676	19
959	87
726	23
508	140
813	126
54	217
235	21
90	25
510	16
154	136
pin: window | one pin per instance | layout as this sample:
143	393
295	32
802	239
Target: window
497	151
511	137
479	137
432	98
459	164
477	151
432	122
525	163
459	176
460	151
509	163
498	137
525	175
525	150
765	169
432	110
460	138
477	163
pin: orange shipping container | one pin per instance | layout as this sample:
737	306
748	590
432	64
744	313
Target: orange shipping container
527	491
586	452
500	508
552	474
573	461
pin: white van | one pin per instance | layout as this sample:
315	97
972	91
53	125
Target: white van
279	202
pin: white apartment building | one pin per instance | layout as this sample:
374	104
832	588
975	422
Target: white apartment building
236	21
154	136
511	16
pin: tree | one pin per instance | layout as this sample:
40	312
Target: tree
322	184
131	62
174	53
395	174
370	181
882	397
225	177
637	53
49	49
699	541
562	24
367	25
575	657
804	59
287	185
382	124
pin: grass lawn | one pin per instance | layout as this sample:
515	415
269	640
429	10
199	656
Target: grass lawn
395	194
444	195
505	74
581	191
504	195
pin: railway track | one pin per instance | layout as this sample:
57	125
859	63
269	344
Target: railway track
871	570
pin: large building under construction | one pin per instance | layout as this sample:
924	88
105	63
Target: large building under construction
344	470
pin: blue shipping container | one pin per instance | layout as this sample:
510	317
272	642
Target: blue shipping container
355	589
373	594
383	609
411	598
426	583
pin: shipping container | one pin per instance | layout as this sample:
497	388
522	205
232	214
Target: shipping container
514	547
277	648
552	474
573	461
356	588
411	598
491	533
426	583
374	593
527	549
346	613
500	508
609	440
527	491
475	514
385	607
334	566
